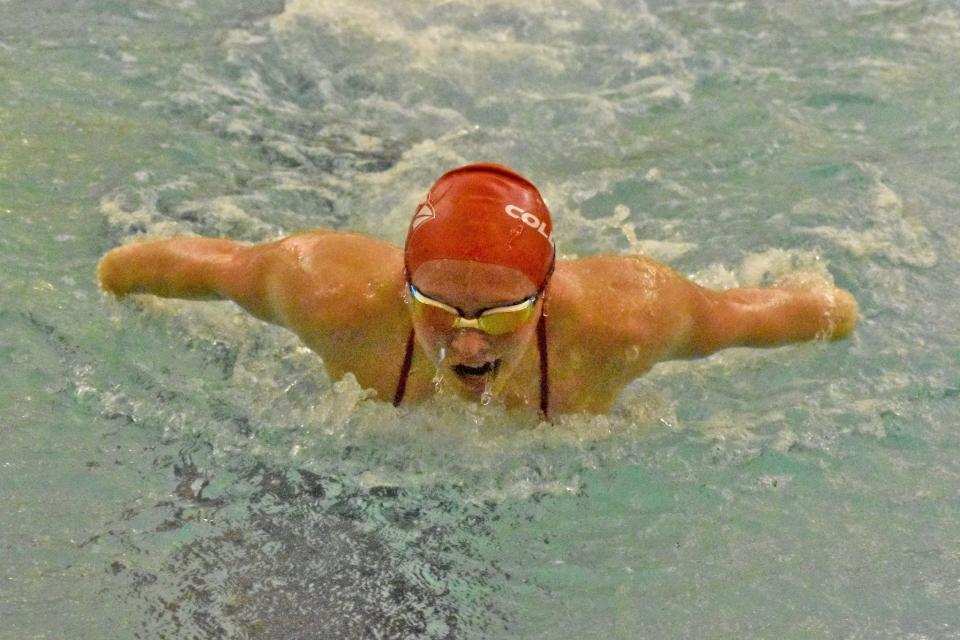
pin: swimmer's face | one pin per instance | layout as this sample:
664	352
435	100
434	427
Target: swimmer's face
474	359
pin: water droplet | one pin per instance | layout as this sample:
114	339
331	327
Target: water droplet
487	396
438	381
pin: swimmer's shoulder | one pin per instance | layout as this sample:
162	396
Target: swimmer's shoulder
342	256
616	301
607	278
339	277
340	245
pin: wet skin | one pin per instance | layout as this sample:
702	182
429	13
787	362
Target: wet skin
609	318
475	360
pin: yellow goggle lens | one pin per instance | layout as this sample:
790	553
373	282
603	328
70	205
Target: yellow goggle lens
496	321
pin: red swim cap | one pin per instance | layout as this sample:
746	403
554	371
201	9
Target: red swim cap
483	213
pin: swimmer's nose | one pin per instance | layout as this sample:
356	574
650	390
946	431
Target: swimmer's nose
470	346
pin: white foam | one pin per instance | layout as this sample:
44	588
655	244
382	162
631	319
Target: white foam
427	44
716	276
781	267
615	233
134	212
896	232
664	250
443	47
773	265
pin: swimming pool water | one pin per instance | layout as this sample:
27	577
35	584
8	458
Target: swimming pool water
179	470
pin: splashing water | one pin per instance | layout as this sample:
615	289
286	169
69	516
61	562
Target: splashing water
175	469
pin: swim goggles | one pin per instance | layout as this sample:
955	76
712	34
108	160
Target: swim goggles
494	321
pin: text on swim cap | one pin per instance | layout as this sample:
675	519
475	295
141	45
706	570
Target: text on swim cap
529	219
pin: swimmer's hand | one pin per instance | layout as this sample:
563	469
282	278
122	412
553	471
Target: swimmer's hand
844	314
841	312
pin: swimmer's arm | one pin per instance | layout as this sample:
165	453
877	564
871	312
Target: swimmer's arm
191	268
194	269
767	317
308	282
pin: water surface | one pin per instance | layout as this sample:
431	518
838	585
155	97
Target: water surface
179	470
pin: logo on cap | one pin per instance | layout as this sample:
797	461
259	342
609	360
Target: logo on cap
425	213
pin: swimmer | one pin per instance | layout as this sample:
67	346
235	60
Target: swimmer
476	302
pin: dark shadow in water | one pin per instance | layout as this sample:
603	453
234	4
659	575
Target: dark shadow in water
296	564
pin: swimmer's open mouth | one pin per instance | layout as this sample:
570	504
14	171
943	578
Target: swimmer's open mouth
468	371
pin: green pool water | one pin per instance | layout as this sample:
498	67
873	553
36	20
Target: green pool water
179	470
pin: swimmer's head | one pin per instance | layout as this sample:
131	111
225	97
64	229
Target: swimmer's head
478	256
484	213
